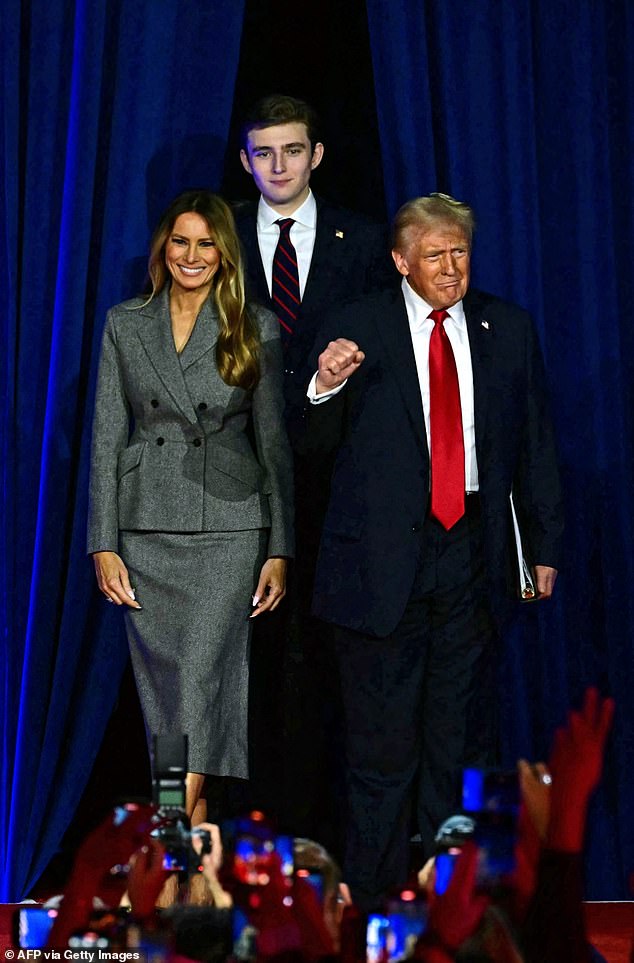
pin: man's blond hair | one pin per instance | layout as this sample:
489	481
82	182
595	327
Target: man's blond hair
422	214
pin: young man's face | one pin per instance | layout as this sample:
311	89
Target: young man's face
281	161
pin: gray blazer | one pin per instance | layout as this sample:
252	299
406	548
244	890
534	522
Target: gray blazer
170	447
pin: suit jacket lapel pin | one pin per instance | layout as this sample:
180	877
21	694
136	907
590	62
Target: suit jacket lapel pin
486	325
339	233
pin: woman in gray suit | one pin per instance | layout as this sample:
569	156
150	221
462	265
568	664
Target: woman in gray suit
191	502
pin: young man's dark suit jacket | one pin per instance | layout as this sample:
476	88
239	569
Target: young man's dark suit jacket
380	485
350	258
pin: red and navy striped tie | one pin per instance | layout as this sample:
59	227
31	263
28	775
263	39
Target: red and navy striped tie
285	288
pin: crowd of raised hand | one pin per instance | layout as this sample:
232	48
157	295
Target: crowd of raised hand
537	916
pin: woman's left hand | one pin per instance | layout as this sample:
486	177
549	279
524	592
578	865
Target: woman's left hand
271	587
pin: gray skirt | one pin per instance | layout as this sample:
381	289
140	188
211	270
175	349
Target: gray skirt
190	641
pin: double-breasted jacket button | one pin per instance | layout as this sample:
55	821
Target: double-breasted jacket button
160	441
196	442
154	403
202	406
416	528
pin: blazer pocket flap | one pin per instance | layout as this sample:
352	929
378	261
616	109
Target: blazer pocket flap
241	467
129	458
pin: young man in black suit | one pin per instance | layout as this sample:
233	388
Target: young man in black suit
433	398
340	254
334	255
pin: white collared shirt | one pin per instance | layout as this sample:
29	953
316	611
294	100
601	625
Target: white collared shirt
302	234
421	327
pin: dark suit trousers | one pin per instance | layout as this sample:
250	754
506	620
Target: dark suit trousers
296	765
417	707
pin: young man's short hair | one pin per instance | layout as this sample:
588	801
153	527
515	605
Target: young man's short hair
280	109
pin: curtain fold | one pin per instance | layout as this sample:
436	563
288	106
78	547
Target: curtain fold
107	111
526	110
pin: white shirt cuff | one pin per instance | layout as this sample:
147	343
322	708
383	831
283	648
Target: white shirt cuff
318	399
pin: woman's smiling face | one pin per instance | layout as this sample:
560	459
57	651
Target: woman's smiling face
191	255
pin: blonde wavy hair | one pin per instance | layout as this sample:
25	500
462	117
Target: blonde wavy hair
238	347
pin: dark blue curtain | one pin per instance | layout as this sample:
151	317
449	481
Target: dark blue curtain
106	111
526	110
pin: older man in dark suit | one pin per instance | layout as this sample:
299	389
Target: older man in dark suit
433	398
303	256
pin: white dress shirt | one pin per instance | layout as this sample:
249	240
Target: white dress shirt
302	234
421	327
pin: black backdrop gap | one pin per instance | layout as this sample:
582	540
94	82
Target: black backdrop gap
319	52
292	49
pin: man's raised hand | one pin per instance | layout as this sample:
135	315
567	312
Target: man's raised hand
340	359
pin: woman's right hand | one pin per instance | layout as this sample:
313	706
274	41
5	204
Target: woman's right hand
113	579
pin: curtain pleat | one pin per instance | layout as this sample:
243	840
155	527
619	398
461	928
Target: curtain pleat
525	110
108	111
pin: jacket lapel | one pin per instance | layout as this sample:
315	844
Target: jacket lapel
157	340
394	333
204	336
248	229
324	257
481	344
317	259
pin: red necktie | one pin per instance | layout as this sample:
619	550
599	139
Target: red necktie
447	440
285	286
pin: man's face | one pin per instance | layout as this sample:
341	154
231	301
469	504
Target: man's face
281	161
436	264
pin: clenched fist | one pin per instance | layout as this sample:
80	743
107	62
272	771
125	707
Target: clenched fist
340	360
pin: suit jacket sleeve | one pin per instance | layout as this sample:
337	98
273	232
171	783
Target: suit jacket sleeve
320	430
271	440
536	487
110	431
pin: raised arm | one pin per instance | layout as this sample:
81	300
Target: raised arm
338	362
